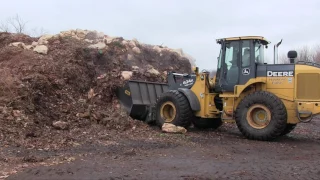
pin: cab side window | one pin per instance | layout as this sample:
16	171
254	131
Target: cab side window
245	53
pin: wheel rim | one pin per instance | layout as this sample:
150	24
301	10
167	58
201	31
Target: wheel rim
258	116
168	112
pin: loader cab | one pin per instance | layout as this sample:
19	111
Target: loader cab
238	60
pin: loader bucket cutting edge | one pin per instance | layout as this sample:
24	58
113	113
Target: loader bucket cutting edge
137	96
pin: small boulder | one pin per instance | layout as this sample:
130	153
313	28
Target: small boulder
88	40
43	40
99	45
41	49
18	44
153	71
171	128
157	49
126	75
132	44
109	39
81	33
34	44
135	41
135	68
65	33
130	57
60	125
136	50
91	93
29	47
16	113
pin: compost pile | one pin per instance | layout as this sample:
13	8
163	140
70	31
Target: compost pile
58	89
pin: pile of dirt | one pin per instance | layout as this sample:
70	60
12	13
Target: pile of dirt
53	89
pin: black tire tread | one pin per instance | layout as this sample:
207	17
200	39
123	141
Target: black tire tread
183	106
278	111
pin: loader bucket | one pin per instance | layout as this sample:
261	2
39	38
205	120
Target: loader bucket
137	97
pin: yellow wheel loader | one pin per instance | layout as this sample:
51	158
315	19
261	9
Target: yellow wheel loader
264	100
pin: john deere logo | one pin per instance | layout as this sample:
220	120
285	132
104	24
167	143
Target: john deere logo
246	71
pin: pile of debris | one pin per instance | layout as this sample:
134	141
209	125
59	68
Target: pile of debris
55	86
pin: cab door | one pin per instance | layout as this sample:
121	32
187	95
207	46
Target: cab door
228	66
248	65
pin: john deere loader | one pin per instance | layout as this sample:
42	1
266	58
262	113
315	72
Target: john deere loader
264	100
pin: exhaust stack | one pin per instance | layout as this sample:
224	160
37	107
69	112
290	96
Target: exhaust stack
275	58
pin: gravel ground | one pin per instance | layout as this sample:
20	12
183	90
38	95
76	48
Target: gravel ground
219	154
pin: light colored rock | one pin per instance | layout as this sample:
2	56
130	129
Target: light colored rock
179	51
81	33
89	41
91	93
135	67
157	49
61	125
99	45
135	41
16	113
34	44
41	49
171	128
136	50
18	44
109	39
86	114
125	42
126	75
43	40
100	35
29	47
153	71
130	57
132	44
66	33
148	66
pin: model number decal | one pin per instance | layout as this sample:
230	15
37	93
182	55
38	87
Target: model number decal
187	82
279	74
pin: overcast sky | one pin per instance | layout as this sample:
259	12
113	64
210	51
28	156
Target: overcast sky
190	25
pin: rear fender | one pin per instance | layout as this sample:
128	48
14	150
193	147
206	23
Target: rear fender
192	98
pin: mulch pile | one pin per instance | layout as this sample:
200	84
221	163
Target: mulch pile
67	95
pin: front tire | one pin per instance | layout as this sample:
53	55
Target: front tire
173	107
261	116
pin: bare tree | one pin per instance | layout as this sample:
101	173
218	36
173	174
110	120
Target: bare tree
13	24
316	55
283	59
305	54
4	27
35	32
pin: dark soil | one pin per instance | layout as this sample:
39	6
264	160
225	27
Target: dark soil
72	84
220	154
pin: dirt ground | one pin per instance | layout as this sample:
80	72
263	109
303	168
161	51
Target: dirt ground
199	154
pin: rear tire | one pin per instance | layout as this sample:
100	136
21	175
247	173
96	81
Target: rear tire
273	114
173	107
205	123
289	128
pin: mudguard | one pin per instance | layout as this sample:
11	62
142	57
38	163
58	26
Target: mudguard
193	100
